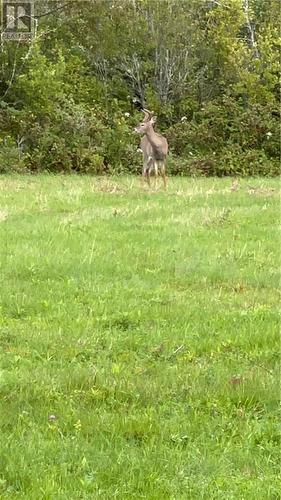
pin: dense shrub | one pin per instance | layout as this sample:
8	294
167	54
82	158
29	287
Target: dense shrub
12	158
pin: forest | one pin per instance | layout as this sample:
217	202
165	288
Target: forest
209	70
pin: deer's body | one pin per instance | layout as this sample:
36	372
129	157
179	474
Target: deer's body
154	148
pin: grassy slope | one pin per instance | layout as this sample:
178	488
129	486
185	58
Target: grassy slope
147	324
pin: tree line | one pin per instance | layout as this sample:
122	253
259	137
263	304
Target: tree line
209	70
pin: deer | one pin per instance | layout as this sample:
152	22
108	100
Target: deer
154	148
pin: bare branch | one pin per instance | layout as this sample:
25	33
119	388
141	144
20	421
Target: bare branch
12	75
131	65
57	9
171	71
251	31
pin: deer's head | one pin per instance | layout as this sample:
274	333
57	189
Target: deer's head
147	123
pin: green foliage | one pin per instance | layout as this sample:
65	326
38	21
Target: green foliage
12	159
209	72
229	138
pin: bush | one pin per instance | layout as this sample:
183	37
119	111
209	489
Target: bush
252	162
12	158
231	161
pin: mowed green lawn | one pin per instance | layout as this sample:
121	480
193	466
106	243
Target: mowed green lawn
139	339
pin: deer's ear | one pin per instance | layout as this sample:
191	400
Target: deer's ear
153	119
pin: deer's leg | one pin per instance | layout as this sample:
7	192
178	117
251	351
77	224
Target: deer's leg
148	177
144	170
156	174
163	173
149	169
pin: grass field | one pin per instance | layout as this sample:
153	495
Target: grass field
139	339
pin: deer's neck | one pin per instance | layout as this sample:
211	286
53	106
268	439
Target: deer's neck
158	144
152	137
150	134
